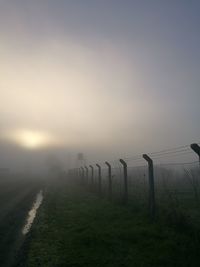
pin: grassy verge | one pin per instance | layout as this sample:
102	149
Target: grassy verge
75	228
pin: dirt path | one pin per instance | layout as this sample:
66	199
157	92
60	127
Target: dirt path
14	207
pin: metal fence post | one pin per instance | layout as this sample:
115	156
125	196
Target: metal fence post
99	179
87	179
73	173
92	176
83	175
109	180
76	173
125	193
196	148
79	174
151	186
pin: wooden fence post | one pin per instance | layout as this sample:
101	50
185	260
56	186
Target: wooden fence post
152	207
196	148
92	176
125	193
99	180
109	180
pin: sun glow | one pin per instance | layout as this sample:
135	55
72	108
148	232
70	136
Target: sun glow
32	139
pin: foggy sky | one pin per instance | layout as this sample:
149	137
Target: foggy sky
107	78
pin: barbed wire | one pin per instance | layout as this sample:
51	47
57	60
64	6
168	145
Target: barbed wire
161	152
170	150
177	163
135	167
175	154
176	151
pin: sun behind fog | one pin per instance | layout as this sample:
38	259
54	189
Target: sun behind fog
31	139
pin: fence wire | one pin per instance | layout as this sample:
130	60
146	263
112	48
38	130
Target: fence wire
176	180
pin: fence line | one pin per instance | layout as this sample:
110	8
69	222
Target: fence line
116	180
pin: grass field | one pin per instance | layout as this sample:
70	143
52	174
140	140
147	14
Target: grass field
76	228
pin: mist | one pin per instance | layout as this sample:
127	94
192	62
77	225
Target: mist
108	86
99	133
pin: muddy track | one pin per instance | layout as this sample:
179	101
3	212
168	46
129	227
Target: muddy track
12	218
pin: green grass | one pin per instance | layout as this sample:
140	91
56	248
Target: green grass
76	228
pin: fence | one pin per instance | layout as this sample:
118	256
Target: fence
150	180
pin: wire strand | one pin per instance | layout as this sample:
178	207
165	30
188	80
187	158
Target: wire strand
178	163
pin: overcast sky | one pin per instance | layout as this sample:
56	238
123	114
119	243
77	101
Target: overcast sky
108	78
